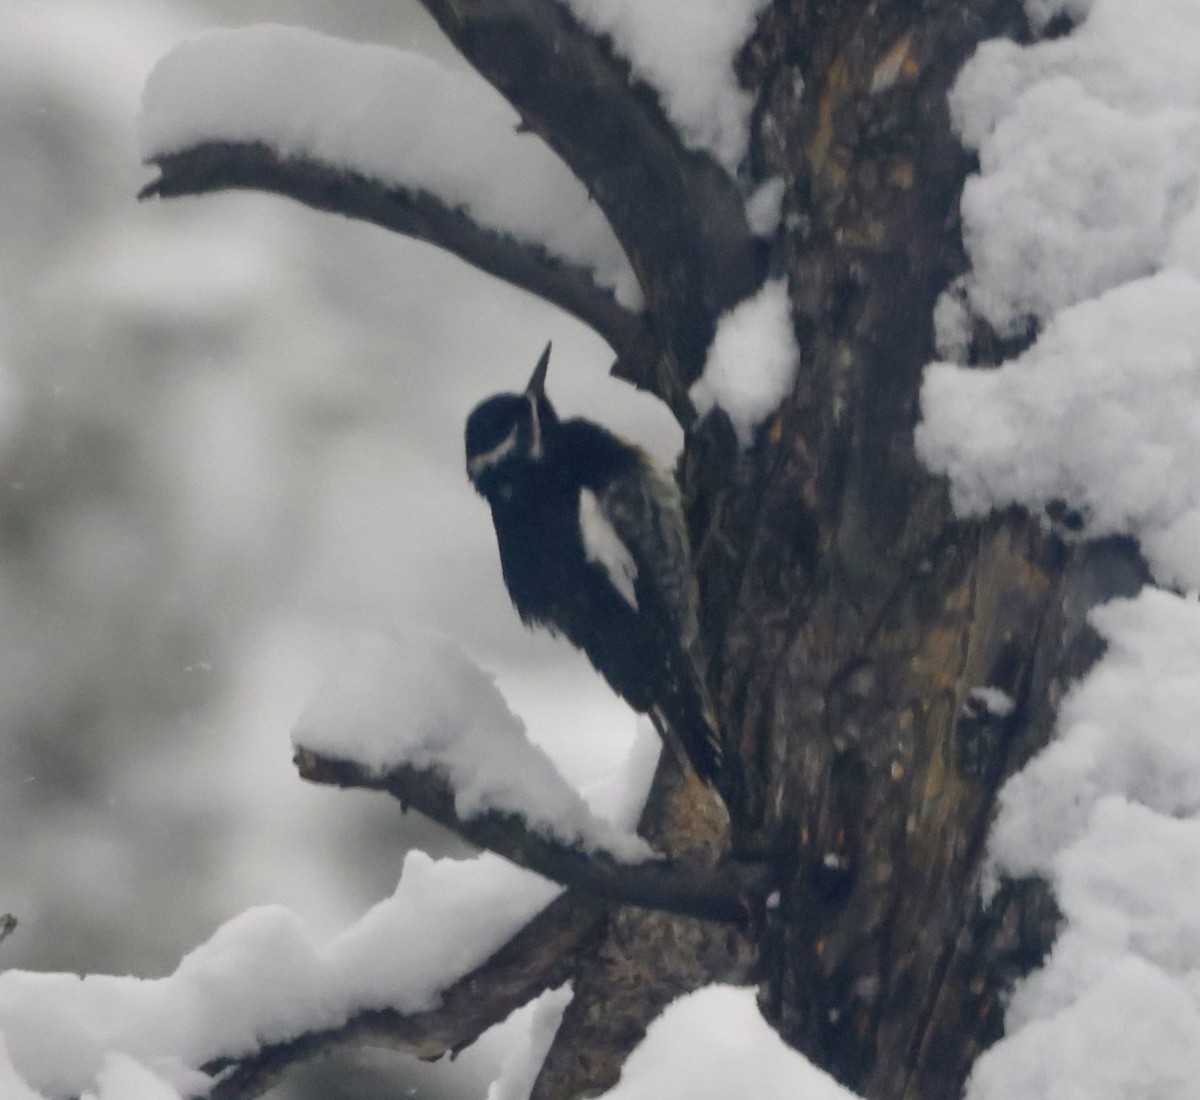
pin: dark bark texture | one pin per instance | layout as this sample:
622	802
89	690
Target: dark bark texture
847	614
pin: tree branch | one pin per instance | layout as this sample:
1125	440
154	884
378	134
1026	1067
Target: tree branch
541	956
729	893
226	165
678	215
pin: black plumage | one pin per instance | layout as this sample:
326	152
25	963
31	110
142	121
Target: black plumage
593	546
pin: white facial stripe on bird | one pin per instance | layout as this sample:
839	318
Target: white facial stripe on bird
602	545
497	454
535	447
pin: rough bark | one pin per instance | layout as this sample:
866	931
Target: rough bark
646	958
847	613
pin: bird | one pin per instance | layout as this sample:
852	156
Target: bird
594	547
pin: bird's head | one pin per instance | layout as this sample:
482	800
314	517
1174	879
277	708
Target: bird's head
508	433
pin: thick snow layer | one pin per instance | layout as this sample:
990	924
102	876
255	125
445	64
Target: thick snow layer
261	979
392	115
1130	728
1085	219
12	1085
752	362
124	1078
686	52
1085	222
713	1044
524	1061
418	699
1103	411
1110	814
1089	149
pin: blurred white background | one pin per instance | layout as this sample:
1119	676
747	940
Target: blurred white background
230	432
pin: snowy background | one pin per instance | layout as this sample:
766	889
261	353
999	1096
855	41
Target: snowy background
231	434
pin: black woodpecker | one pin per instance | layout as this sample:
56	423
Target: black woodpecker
593	545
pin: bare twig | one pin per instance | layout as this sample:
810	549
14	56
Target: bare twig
678	215
8	925
541	956
226	165
728	893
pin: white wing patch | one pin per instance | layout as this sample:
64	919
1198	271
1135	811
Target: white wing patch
603	545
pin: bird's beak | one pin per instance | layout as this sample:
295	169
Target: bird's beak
537	383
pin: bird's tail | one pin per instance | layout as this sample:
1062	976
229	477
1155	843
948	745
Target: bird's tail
687	723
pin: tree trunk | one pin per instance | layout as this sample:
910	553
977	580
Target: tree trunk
849	615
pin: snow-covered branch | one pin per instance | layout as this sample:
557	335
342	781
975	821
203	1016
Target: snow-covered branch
396	139
678	215
539	957
728	893
262	993
224	165
625	217
411	714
